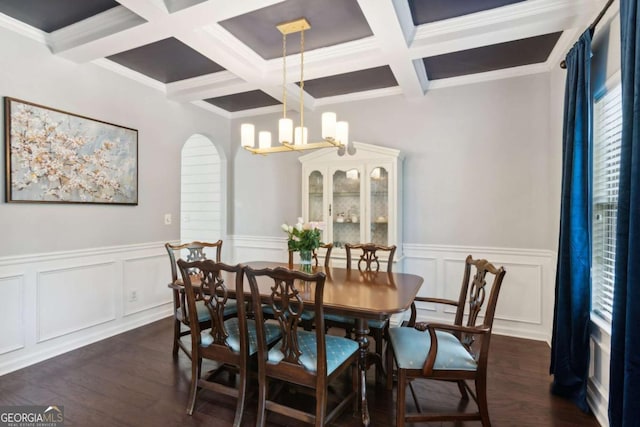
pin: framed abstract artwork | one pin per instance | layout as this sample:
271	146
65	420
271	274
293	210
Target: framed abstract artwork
58	157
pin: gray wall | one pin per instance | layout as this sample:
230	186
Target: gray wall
475	154
480	168
30	72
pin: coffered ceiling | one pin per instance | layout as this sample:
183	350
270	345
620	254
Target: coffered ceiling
226	56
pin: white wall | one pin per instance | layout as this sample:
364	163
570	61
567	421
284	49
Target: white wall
477	167
67	271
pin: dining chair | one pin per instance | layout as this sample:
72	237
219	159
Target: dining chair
308	359
228	341
328	247
194	251
308	315
369	260
455	352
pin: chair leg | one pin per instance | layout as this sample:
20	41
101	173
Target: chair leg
307	324
463	390
262	397
481	393
355	386
195	377
242	389
176	337
321	407
415	397
389	360
400	398
379	359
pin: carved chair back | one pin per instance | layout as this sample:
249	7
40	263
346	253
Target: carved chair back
369	256
210	287
194	251
327	255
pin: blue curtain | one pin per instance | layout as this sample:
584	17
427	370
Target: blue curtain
624	379
570	340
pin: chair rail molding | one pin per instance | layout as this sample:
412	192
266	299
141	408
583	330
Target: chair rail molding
64	300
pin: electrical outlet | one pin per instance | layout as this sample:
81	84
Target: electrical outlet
167	219
133	295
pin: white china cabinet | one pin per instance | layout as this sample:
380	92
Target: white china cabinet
358	197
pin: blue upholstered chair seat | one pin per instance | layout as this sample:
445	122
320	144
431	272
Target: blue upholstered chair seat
272	333
338	350
410	347
203	313
373	323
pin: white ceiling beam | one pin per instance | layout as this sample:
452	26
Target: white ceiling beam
332	60
390	35
508	23
23	29
160	27
118	25
130	74
209	86
506	73
149	10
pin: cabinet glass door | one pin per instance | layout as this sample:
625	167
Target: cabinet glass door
316	191
379	179
345	207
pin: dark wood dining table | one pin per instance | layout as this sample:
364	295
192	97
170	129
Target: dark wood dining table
362	295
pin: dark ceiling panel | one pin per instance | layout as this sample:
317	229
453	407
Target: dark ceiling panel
167	61
332	22
243	101
357	81
51	15
425	11
489	58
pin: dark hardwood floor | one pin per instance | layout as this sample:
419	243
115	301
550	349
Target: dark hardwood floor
132	380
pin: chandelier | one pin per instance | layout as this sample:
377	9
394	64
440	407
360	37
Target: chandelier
334	133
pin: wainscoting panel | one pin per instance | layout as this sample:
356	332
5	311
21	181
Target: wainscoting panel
11	313
428	269
525	306
598	386
68	299
521	283
453	270
145	283
71	299
255	248
55	302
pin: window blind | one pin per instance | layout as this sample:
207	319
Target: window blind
606	169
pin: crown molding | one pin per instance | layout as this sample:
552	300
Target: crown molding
23	29
103	24
130	74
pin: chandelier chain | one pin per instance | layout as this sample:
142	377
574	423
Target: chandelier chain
301	82
284	76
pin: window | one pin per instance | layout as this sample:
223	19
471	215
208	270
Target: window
606	168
